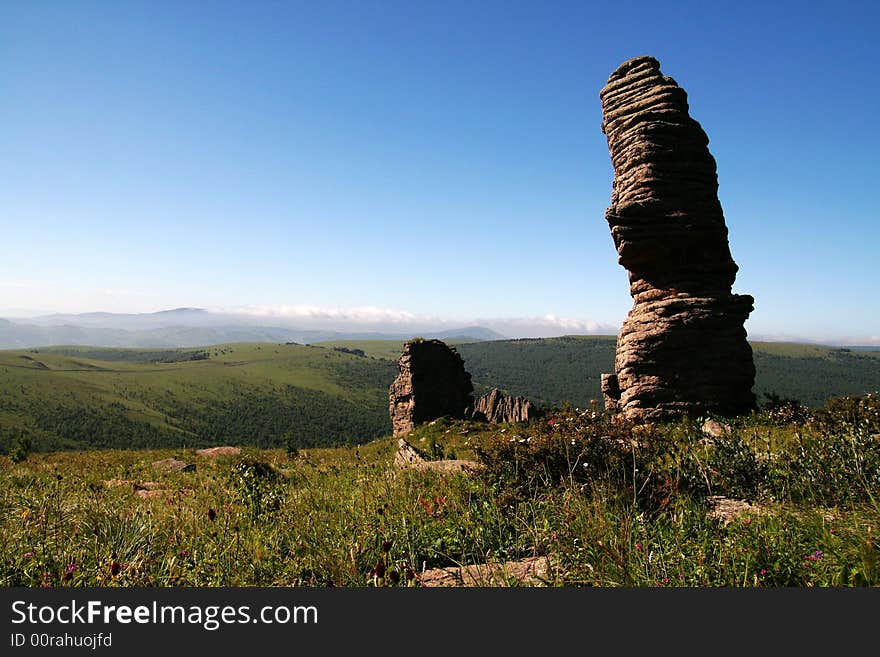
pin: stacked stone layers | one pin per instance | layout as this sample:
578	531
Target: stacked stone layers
431	383
497	407
683	347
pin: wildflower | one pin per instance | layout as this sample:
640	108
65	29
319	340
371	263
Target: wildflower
386	546
394	576
25	514
115	568
28	555
379	570
184	554
212	514
639	547
816	556
552	422
762	572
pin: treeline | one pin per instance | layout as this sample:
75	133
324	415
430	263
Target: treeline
812	381
266	418
263	418
555	370
57	426
547	371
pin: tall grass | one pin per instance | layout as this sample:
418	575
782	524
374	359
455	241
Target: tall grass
609	504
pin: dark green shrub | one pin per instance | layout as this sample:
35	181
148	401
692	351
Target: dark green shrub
20	448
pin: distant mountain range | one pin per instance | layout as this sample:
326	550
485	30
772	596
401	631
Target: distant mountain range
189	327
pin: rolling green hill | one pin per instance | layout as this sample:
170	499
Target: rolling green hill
254	394
326	394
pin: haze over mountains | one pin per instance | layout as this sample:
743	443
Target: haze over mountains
199	327
196	327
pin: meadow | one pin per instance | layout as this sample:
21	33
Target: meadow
605	502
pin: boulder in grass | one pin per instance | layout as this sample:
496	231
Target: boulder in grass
174	465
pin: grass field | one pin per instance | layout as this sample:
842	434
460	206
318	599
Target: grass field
606	504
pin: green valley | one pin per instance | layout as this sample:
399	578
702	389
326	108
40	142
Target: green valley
334	393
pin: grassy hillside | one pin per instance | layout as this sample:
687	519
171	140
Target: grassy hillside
253	394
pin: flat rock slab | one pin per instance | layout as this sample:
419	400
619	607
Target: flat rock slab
449	465
532	571
152	494
161	493
173	465
117	483
216	452
727	510
408	456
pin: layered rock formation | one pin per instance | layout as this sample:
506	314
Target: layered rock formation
497	407
682	348
431	383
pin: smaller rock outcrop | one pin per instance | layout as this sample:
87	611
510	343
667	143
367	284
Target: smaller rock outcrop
497	407
431	383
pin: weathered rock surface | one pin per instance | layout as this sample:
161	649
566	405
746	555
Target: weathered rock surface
532	571
683	347
217	452
727	510
715	429
408	456
174	465
497	407
431	383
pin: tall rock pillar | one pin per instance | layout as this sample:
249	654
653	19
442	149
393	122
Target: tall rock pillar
683	347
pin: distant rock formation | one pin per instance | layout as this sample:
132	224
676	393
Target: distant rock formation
497	407
431	383
682	348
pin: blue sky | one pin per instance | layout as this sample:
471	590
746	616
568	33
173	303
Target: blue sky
438	159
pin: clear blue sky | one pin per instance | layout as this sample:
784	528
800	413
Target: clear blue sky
441	158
